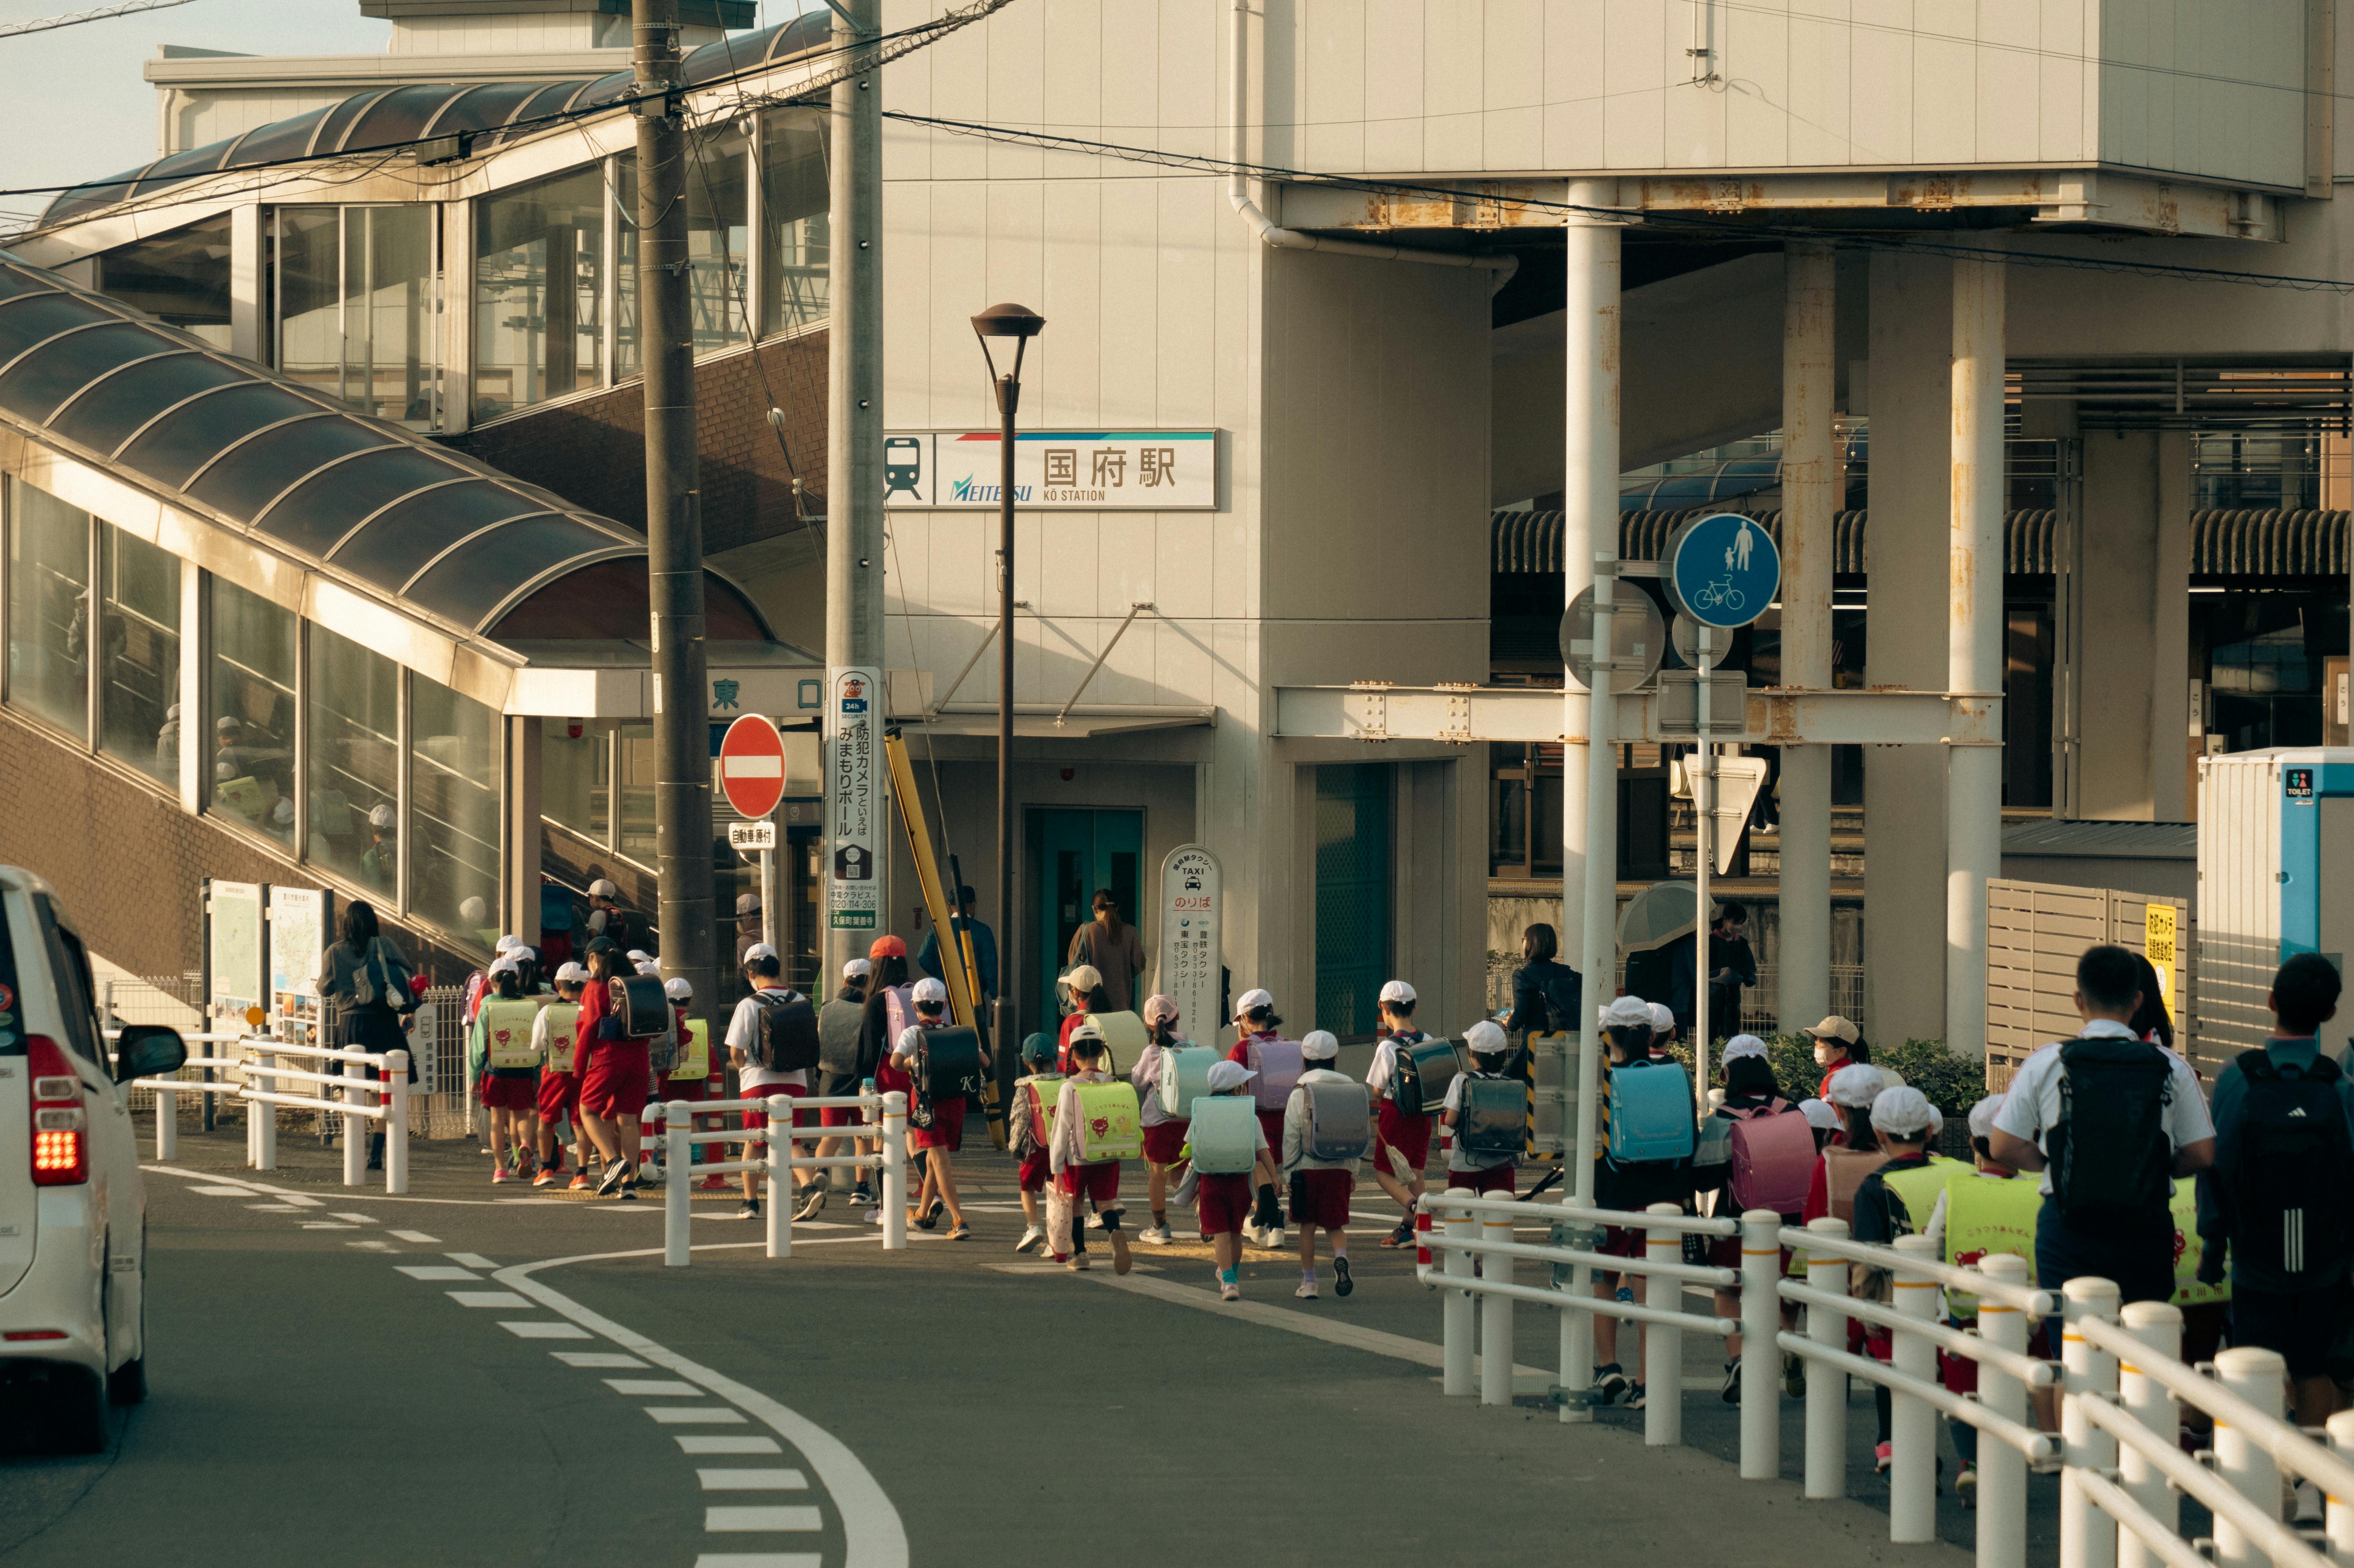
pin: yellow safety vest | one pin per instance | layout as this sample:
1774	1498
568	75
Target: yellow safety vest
563	1029
1987	1214
506	1031
1109	1127
694	1062
2187	1291
1917	1189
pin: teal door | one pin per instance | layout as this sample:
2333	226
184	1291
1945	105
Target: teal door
1353	891
1072	855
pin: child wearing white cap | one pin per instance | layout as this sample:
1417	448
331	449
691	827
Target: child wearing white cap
559	1079
510	1092
1894	1200
946	1135
1165	1134
1482	1173
1222	1203
838	1077
1081	1181
1260	1047
1401	1141
1853	1151
1320	1189
756	1081
1627	1034
679	1082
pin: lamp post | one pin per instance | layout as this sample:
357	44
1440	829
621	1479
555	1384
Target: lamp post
999	327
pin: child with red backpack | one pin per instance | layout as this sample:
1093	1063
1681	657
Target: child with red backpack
1768	1159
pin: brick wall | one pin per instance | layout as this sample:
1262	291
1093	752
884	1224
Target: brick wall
592	450
129	864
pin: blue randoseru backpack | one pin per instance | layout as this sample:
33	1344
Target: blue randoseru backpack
1651	1113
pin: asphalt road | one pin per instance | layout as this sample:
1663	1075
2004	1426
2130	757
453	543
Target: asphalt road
477	1374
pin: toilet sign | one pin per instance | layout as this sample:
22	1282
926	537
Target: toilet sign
1722	570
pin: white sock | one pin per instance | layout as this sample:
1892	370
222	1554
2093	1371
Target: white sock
1308	1277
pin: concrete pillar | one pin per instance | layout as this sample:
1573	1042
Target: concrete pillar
1974	642
526	835
196	781
1904	634
1809	502
2134	611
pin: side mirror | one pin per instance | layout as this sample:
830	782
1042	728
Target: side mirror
147	1051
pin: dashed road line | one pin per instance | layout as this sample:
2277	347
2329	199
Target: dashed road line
595	1359
695	1414
740	1520
696	1442
416	1238
653	1387
435	1271
470	1259
542	1330
355	1219
486	1299
758	1560
752	1481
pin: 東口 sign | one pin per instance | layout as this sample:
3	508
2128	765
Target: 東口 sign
1067	470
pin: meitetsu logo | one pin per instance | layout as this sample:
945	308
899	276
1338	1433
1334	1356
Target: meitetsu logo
975	493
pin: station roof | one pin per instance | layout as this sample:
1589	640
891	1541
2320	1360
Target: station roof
494	112
400	518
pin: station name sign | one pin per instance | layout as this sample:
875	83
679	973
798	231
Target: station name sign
1065	471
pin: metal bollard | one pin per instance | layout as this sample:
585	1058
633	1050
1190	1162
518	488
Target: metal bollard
2088	1537
1826	1386
2338	1519
1761	1319
2003	1469
356	1138
264	1115
395	1122
1454	1309
2158	1326
1663	1346
167	1125
1496	1316
678	1214
895	1171
1912	1427
2260	1377
781	1176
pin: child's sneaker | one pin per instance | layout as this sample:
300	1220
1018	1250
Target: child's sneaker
499	1176
1635	1397
1229	1291
1306	1291
1159	1236
1610	1384
1880	1457
1965	1486
1730	1392
1275	1237
1793	1374
1030	1237
713	1185
546	1178
1077	1263
580	1183
1342	1283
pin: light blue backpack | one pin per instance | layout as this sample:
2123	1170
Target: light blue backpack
1225	1135
1651	1113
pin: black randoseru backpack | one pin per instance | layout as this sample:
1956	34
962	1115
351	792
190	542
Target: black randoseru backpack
788	1037
2286	1185
2111	1158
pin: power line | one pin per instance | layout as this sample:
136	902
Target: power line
49	24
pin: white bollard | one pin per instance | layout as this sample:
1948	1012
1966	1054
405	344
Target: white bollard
1663	1346
1913	1426
1761	1363
1455	1310
2160	1325
2338	1519
395	1122
678	1213
1576	1328
2003	1469
2260	1377
263	1113
355	1136
781	1176
2088	1537
167	1125
1826	1386
895	1171
1496	1317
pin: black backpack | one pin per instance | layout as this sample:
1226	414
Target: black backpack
789	1038
2286	1189
2111	1157
837	1036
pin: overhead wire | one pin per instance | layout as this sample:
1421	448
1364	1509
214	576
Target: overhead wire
75	18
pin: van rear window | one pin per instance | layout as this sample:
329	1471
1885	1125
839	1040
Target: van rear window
12	1012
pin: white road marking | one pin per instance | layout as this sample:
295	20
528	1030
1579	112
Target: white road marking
595	1359
730	1445
328	1225
222	1192
753	1480
416	1238
486	1299
374	1246
758	1560
471	1259
273	1208
434	1271
695	1414
653	1387
546	1330
737	1520
1051	1266
358	1219
297	1199
263	1189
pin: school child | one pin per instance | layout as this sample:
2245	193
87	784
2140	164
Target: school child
1823	1121
559	1085
614	1082
1401	1138
1077	1179
1646	1144
1164	1133
677	1083
1767	1156
1275	1064
1026	1137
745	1029
1853	1151
1895	1198
946	1135
1324	1117
1222	1198
1482	1170
1087	995
506	1070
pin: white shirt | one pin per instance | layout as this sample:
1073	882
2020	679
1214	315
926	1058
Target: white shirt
910	1041
2032	1103
744	1038
1458	1157
1385	1068
1145	1076
1062	1151
1296	1127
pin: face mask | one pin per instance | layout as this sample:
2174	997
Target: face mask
1822	1055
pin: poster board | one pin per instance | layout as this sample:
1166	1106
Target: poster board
236	949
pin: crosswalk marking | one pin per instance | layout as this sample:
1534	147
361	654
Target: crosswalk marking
758	1560
692	1443
739	1520
695	1414
533	1331
753	1480
667	1388
416	1238
486	1299
471	1259
435	1271
596	1359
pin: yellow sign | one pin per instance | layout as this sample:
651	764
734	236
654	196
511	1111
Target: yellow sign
2157	934
255	1017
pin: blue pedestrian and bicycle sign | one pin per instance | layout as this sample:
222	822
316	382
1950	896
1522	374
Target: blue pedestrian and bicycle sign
1722	570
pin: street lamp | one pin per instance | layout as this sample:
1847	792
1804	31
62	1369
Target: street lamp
997	327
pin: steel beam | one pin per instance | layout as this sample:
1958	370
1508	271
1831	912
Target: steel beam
1773	716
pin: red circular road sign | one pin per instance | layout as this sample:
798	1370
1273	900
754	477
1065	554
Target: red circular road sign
752	766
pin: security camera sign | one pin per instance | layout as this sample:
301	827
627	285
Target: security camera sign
853	806
1054	471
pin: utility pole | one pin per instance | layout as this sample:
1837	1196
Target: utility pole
854	447
673	514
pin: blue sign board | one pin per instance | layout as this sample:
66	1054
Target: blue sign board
1722	570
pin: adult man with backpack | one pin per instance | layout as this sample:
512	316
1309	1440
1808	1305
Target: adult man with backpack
2107	1118
2280	1199
773	1042
839	1023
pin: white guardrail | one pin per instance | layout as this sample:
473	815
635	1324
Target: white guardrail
2121	1379
679	1138
361	1087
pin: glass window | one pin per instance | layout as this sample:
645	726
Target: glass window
717	174
576	779
354	760
539	279
454	811
182	277
793	220
48	608
639	763
138	669
358	307
251	689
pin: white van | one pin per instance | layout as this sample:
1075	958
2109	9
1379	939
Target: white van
73	1210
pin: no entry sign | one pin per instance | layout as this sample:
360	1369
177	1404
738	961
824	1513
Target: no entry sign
752	766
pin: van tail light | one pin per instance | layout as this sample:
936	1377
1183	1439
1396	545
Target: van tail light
60	1119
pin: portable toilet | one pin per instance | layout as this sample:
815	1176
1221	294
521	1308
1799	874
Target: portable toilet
2275	878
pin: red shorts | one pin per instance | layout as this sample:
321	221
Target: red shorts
758	1121
1099	1180
1409	1135
685	1089
559	1095
509	1093
1270	1122
1620	1243
1161	1142
1321	1198
947	1131
615	1083
1035	1172
1222	1203
1495	1179
1724	1251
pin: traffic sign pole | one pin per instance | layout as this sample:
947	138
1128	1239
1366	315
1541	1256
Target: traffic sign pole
1704	801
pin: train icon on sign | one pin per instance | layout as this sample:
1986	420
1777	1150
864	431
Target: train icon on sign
903	466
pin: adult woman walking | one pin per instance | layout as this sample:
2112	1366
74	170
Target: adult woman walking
366	978
1113	948
1545	992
